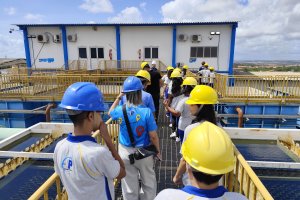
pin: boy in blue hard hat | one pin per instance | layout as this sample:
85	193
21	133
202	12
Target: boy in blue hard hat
137	133
86	168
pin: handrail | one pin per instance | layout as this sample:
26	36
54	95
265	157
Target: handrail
54	178
244	180
273	89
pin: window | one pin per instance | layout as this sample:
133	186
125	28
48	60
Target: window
82	53
100	53
97	52
151	52
201	52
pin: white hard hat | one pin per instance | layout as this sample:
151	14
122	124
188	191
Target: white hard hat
153	62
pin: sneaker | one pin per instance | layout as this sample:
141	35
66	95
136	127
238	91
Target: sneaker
170	125
173	135
177	139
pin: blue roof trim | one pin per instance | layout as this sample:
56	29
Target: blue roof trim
132	24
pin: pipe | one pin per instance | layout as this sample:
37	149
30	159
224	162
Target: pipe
47	112
240	116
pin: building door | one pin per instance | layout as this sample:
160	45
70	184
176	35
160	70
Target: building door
97	54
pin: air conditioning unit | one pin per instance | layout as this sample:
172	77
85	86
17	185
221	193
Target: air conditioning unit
43	38
196	38
57	38
182	37
72	38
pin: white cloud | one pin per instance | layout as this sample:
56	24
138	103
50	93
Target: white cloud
91	22
97	6
34	17
128	15
11	46
143	5
10	11
266	28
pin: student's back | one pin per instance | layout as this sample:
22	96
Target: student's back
190	192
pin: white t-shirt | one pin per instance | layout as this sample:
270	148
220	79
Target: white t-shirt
212	77
170	87
205	74
164	78
185	117
197	194
175	101
82	165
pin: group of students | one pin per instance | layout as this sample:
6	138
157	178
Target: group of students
87	169
207	74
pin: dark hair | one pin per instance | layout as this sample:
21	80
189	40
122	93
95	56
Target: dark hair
184	72
203	63
207	113
169	73
186	89
206	178
78	119
143	80
176	86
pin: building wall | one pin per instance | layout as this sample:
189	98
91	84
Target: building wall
132	39
45	55
184	47
87	36
139	37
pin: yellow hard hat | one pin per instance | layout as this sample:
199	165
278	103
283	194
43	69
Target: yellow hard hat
170	68
203	94
211	68
189	81
185	67
206	65
144	64
145	74
209	149
176	74
177	69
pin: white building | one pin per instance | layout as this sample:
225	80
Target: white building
57	45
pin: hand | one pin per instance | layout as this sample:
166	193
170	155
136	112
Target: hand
166	103
158	157
177	180
120	95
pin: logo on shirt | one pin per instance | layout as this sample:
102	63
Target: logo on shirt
67	163
120	120
137	117
140	130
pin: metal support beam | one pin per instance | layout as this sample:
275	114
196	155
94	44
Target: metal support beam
16	154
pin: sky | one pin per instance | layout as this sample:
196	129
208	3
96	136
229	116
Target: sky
268	29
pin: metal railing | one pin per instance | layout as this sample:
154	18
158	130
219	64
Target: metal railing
276	89
125	65
52	87
244	180
273	89
54	180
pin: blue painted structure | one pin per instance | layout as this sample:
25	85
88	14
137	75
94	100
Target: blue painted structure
65	46
232	45
118	45
174	46
16	120
26	45
262	109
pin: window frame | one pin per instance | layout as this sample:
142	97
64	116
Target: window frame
151	52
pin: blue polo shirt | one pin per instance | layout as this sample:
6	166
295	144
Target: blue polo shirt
141	122
146	99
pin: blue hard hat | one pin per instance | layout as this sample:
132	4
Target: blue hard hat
83	96
131	84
